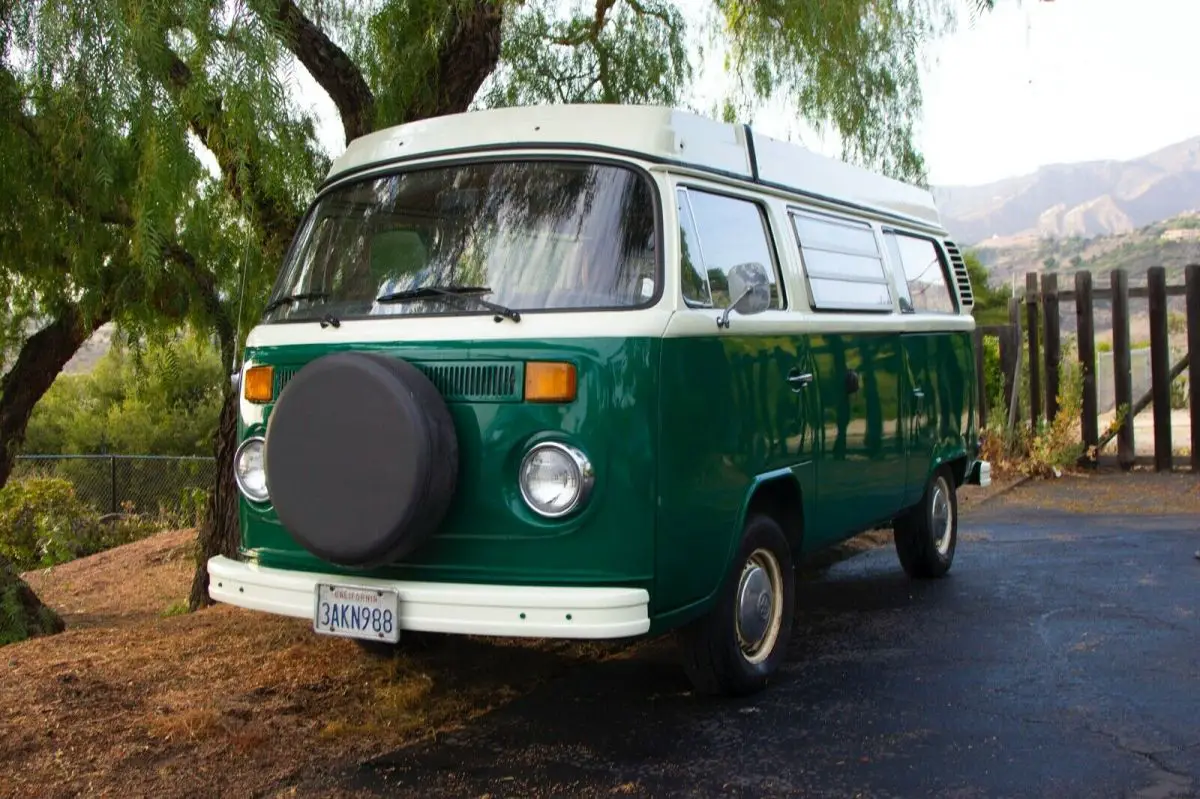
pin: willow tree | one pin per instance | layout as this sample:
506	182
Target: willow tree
180	80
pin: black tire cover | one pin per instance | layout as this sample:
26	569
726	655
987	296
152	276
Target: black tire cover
361	458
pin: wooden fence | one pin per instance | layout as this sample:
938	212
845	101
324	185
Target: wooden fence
1042	301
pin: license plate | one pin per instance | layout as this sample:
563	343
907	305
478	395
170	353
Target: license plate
352	611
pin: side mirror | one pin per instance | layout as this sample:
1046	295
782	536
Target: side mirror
750	288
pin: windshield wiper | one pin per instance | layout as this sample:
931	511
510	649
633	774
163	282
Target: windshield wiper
288	299
470	293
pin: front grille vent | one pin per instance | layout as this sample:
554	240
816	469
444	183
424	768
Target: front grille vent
476	382
456	382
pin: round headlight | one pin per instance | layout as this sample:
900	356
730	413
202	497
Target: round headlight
555	479
249	469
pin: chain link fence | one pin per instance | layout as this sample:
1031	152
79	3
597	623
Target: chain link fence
160	486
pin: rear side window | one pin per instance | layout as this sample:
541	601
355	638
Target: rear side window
716	233
842	263
924	288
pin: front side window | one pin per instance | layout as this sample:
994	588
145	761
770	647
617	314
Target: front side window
528	235
717	233
842	263
924	288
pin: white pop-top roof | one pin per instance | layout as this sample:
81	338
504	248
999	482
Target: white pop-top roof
651	132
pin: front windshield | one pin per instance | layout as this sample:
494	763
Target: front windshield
536	234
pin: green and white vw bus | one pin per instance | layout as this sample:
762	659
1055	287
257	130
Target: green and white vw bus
598	372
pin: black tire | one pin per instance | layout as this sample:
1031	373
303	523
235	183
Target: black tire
361	458
923	542
713	655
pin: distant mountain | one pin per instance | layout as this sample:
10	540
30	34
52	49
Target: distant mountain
1087	199
1171	243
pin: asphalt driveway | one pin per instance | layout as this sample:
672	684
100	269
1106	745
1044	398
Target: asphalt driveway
1060	658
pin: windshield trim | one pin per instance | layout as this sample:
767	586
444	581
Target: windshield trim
411	166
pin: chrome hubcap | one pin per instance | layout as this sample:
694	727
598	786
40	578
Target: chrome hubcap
942	521
759	612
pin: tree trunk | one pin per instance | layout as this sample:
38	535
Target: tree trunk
40	361
220	534
22	614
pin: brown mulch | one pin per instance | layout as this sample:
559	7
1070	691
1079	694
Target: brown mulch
135	699
1109	491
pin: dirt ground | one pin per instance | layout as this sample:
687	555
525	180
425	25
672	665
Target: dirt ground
138	699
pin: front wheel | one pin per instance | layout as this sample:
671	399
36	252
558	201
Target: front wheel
736	647
927	535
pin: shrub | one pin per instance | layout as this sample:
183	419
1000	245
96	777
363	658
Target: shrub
1058	446
163	399
1179	393
43	523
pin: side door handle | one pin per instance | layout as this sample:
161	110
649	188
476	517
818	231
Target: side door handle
799	379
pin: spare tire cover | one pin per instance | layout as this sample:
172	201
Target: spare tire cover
361	458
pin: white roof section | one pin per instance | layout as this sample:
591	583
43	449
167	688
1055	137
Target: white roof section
651	132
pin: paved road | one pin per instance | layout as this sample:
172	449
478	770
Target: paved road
1061	658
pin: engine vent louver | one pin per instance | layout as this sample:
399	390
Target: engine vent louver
456	382
961	278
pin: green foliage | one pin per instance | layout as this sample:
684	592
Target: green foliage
1179	393
991	304
638	55
163	399
22	615
43	523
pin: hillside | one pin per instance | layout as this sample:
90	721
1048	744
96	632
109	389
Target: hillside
1095	198
1172	243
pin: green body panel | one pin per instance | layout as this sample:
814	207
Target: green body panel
489	534
940	376
861	474
682	432
732	423
729	416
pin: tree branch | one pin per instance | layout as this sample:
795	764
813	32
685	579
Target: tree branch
42	357
206	285
646	12
329	65
467	56
240	171
592	32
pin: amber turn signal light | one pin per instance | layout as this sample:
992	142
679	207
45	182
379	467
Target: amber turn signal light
549	382
260	384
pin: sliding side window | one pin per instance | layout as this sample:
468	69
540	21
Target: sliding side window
924	288
842	263
716	233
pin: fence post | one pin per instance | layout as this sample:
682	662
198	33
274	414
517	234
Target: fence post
1053	338
1160	366
1009	345
112	473
1031	320
980	379
1192	280
1086	323
1122	378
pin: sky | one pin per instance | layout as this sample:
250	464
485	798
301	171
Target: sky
1032	83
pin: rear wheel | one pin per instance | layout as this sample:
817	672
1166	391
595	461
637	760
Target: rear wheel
736	647
927	535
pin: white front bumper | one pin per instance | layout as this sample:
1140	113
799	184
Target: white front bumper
500	610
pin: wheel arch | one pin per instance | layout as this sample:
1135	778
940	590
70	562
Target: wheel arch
779	494
955	458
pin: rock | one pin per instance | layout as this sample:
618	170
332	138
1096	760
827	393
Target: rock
22	614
